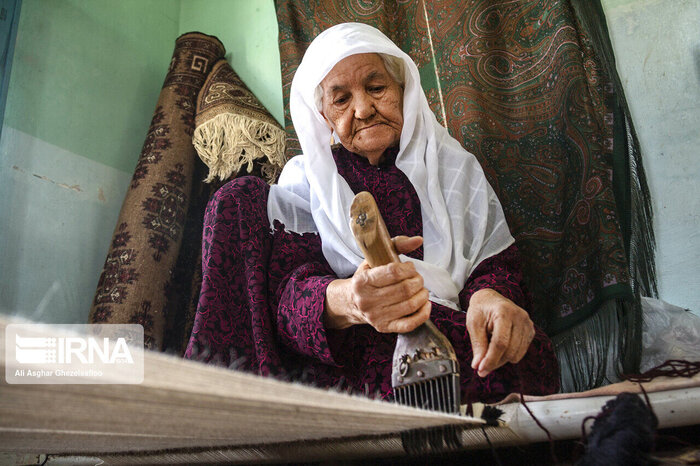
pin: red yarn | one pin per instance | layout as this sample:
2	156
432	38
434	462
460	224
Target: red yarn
670	368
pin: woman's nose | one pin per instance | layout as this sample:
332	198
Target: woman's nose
364	107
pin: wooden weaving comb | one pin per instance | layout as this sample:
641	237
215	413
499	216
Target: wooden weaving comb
425	370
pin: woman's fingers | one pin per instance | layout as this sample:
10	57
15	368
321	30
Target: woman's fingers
509	326
402	316
406	244
392	297
528	336
522	335
411	322
389	274
383	288
498	346
476	327
513	353
397	292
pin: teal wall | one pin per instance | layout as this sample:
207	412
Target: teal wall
657	49
85	79
86	73
248	29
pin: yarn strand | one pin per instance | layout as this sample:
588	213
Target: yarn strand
670	368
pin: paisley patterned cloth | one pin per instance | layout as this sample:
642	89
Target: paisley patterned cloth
263	295
521	87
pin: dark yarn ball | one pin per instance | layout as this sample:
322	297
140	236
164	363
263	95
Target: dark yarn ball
623	433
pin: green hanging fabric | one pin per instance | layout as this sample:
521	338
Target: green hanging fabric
629	180
589	368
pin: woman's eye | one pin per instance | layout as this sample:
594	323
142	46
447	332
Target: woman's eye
376	88
340	100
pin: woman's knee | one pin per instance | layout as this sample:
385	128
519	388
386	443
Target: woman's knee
246	194
244	187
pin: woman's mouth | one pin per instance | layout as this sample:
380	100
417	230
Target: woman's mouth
373	125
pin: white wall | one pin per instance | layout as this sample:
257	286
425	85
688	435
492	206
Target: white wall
58	213
85	78
657	48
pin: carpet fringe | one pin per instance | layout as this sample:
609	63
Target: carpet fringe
602	348
229	141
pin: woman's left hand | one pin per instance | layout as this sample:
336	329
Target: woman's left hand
500	331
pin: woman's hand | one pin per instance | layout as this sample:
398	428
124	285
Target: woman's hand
390	298
509	326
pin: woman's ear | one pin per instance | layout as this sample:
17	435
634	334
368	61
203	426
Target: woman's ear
330	126
328	122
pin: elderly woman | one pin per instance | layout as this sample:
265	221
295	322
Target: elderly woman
285	290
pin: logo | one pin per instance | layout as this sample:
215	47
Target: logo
100	353
32	350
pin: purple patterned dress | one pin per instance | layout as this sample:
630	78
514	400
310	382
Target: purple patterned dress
263	291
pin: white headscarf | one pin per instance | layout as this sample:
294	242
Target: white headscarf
463	221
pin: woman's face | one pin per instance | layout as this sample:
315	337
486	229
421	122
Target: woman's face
364	105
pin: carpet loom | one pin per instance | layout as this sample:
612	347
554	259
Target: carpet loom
189	412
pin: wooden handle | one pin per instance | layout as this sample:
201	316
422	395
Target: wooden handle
370	231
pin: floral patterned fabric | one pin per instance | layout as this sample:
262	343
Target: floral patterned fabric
521	86
263	294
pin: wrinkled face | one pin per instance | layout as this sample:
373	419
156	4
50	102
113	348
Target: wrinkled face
364	105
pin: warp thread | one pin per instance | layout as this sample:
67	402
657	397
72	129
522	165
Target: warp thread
431	440
623	432
201	352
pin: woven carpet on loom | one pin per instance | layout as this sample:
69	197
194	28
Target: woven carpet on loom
523	87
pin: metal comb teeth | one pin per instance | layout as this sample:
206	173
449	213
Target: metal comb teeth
425	370
436	394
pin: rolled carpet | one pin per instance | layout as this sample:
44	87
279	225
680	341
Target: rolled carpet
141	263
233	129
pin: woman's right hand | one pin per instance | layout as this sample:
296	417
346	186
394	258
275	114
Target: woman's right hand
391	298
